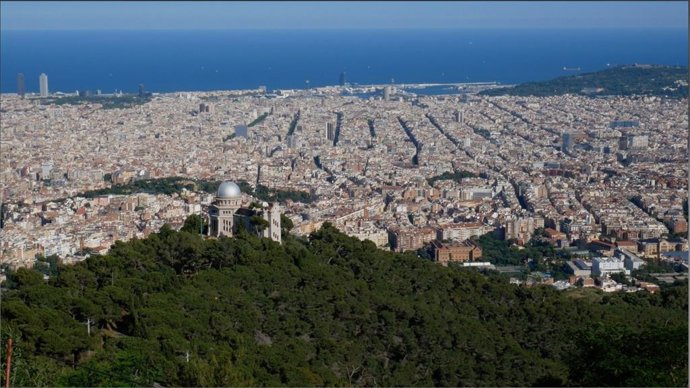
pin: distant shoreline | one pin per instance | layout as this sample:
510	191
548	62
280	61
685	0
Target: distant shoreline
356	87
624	80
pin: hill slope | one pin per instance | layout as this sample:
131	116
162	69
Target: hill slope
623	80
179	310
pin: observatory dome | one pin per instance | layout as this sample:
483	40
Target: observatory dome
229	189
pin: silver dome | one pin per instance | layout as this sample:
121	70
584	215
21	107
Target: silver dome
229	189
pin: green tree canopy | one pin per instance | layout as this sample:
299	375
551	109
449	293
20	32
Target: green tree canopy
177	309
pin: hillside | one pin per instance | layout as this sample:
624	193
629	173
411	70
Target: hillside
178	310
668	81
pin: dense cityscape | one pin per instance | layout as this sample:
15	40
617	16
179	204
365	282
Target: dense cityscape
600	178
380	193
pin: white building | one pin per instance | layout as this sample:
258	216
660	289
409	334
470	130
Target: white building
460	232
43	84
607	265
472	193
631	261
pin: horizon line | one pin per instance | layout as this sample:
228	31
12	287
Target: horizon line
307	28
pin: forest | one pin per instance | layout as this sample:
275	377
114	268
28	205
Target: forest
619	81
176	309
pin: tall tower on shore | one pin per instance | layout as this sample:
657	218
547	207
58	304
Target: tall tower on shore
43	83
21	85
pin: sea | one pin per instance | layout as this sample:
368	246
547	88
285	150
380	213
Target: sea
169	61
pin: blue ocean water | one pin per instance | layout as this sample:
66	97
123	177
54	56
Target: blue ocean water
236	59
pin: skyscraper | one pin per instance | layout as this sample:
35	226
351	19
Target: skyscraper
43	83
330	131
458	116
21	85
141	90
387	93
342	79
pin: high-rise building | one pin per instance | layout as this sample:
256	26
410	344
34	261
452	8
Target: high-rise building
21	85
43	84
458	117
342	79
141	90
205	108
330	131
387	93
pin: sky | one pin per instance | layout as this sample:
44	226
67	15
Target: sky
55	15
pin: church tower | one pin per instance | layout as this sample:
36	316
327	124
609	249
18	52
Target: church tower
273	213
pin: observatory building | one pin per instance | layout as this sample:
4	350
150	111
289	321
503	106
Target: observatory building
226	215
